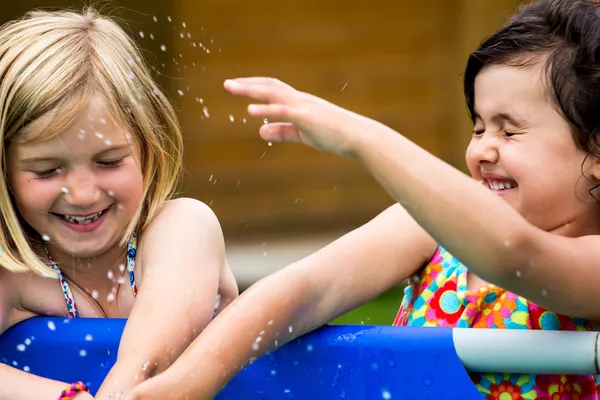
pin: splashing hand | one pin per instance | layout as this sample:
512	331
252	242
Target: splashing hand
301	117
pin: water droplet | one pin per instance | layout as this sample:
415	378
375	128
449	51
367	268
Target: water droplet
82	353
82	131
88	338
269	143
386	394
518	274
205	109
207	51
27	341
142	34
64	190
180	92
255	346
51	325
273	372
110	297
544	293
108	142
111	193
155	19
244	120
145	365
99	135
151	36
121	280
26	368
309	348
94	294
45	238
21	347
169	18
110	274
184	25
231	118
270	323
290	329
163	47
122	267
265	121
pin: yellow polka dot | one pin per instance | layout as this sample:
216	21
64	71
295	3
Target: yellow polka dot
520	317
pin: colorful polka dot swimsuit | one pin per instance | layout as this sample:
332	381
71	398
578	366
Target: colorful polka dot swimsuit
440	297
70	300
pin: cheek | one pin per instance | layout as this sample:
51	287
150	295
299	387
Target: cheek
471	162
34	196
126	184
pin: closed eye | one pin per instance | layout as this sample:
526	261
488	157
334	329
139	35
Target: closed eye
46	174
111	164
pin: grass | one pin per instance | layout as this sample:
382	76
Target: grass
379	311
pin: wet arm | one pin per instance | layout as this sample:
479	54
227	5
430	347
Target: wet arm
183	253
483	231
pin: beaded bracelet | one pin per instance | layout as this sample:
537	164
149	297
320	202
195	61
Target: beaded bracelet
72	390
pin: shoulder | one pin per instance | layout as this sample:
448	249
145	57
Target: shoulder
186	214
179	224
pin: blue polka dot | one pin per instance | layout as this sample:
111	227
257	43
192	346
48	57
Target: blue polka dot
549	321
490	297
449	302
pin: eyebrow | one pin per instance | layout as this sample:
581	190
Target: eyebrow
504	117
53	159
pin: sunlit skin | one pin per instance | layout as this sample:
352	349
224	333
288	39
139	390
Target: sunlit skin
520	138
92	167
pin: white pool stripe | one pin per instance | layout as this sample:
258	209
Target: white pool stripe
527	351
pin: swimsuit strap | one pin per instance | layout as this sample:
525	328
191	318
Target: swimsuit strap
64	284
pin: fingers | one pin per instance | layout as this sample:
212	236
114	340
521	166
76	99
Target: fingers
260	81
279	132
264	89
278	112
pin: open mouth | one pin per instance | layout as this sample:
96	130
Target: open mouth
81	219
501	185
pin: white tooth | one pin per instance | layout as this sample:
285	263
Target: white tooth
501	185
508	185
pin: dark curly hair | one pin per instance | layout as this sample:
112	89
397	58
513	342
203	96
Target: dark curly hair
565	36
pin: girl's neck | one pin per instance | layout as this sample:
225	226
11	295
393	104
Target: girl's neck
101	270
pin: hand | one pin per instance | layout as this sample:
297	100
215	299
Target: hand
301	117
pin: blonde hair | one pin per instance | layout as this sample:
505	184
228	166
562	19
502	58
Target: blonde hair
56	61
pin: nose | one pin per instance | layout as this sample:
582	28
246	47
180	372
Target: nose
484	149
82	190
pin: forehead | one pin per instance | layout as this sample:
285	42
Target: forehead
513	90
94	129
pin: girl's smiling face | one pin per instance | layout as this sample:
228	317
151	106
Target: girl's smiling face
81	187
523	150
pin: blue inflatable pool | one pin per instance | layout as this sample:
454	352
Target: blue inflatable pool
334	362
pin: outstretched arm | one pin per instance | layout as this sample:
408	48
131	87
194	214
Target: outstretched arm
182	255
483	231
295	300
